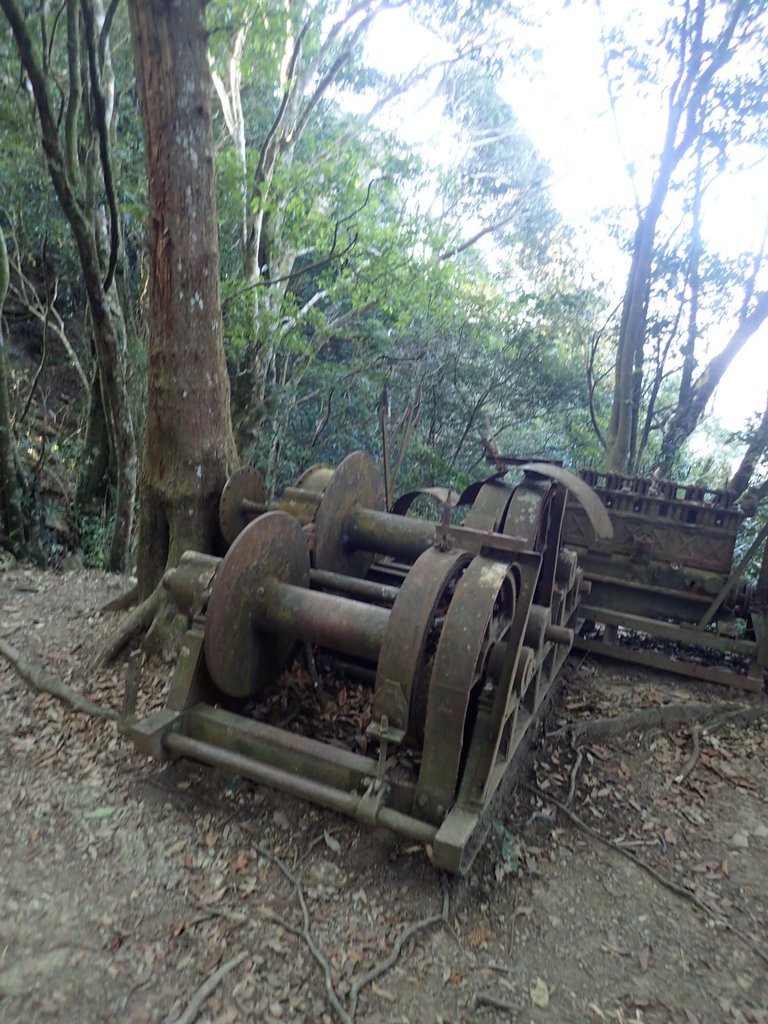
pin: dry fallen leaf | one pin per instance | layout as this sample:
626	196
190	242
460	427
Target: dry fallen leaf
540	993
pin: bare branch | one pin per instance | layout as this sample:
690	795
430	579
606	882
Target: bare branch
487	229
291	322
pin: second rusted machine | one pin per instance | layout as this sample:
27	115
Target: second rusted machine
669	575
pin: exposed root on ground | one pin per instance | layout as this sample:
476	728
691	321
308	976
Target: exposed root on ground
712	716
480	999
40	680
405	936
690	764
132	625
347	1016
667	883
123	601
208	986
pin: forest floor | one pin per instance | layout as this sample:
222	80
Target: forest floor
135	891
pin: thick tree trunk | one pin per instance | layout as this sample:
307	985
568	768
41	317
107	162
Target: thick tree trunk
11	517
189	449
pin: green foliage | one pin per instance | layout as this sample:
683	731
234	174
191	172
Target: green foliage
94	534
364	281
370	278
509	845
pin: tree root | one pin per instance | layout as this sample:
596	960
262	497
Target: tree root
40	680
574	775
208	986
123	601
596	730
343	1015
667	883
480	999
133	624
693	759
407	933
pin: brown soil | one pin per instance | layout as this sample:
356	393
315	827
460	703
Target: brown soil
126	884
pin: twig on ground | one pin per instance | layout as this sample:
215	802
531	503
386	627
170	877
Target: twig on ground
484	999
309	661
40	680
207	988
678	890
745	714
384	965
692	761
574	773
305	933
131	625
597	729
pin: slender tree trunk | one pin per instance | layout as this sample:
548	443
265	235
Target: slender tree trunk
11	516
698	61
625	409
189	449
756	449
94	470
689	413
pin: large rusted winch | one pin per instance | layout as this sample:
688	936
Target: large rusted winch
463	642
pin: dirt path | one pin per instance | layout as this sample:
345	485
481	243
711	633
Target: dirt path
126	884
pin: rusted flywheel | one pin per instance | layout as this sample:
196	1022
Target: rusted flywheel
243	498
477	619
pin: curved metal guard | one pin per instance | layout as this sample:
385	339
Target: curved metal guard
581	491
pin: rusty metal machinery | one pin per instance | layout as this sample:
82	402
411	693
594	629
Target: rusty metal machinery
244	498
669	574
464	646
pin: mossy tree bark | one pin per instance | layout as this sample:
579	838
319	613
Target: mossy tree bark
189	447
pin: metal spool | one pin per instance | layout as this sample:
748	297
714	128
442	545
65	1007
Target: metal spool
434	648
303	498
356	484
242	498
240	660
260	603
413	631
488	502
316	478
